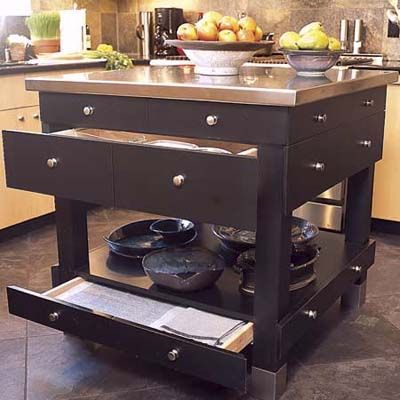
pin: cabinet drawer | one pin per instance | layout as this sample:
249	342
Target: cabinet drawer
60	166
321	162
94	111
205	187
313	118
55	310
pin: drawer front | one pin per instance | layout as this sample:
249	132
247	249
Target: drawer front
203	187
64	167
85	111
313	118
218	121
218	366
321	162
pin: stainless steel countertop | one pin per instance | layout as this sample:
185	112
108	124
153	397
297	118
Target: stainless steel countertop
255	85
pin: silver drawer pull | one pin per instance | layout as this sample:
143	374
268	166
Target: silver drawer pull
178	180
356	268
369	103
211	120
320	118
173	355
21	118
88	111
35	116
312	314
319	166
366	143
52	162
54	316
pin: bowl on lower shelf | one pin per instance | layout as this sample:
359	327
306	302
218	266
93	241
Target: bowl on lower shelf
311	62
219	58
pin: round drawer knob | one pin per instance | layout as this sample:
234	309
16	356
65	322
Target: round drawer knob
369	103
320	118
178	180
356	268
52	162
211	120
88	111
366	143
319	166
312	314
35	116
54	316
173	355
21	118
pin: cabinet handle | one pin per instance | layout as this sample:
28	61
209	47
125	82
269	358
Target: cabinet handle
312	314
319	166
35	116
212	120
21	118
356	268
54	316
366	143
369	103
173	355
52	163
88	111
320	118
178	180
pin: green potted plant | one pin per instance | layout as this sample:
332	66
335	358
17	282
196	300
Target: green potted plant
45	31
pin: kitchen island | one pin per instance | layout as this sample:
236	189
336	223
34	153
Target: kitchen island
310	134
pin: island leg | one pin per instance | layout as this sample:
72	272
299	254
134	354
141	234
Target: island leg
271	300
358	227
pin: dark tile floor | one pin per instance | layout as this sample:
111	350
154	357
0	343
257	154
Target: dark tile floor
348	356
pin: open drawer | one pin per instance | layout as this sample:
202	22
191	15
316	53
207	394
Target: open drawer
110	317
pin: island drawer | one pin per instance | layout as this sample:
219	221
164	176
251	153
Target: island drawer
65	308
313	118
60	166
214	188
86	111
321	162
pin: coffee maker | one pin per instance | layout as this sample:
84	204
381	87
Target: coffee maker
167	21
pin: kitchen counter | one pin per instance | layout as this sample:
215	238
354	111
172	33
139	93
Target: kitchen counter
255	85
45	66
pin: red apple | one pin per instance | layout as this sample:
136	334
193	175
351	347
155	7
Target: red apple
248	23
228	23
187	32
258	34
227	35
245	35
207	30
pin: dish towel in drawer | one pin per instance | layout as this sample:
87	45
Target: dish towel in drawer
201	326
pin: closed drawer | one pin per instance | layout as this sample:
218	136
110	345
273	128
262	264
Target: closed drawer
319	163
54	309
64	167
94	111
313	118
200	186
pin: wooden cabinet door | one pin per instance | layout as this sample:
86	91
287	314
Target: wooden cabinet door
16	205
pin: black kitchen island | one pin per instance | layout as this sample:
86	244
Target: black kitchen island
309	133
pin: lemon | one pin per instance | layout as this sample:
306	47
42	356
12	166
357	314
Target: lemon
288	41
313	26
314	40
334	44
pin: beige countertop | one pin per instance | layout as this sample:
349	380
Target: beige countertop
255	85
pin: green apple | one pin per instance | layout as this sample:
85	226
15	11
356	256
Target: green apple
187	32
313	26
227	35
334	44
288	41
313	40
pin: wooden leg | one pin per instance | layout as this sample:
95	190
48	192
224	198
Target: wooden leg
72	238
273	249
355	296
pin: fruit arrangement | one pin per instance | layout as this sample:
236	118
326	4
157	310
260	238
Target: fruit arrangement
115	60
311	37
217	27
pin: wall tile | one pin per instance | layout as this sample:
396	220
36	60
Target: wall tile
127	23
109	33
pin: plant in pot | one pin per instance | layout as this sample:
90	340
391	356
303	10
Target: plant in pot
45	31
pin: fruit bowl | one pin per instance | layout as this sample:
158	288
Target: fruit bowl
311	62
219	58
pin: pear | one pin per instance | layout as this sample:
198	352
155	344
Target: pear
313	40
334	44
288	41
313	26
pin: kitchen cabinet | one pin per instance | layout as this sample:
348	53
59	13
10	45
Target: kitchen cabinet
386	201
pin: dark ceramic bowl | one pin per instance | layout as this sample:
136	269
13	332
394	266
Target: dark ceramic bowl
173	230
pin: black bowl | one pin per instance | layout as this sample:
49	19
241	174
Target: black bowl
173	230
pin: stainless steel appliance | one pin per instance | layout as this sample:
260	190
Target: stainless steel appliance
144	32
358	31
167	21
344	34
